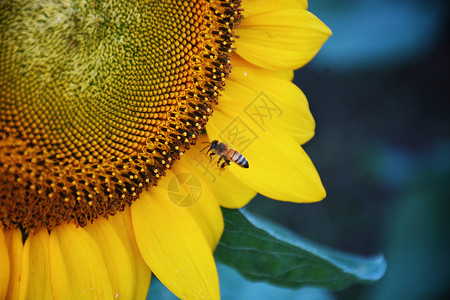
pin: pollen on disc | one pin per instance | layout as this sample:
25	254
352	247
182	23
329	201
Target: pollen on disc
98	99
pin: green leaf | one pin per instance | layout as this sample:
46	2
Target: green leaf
260	253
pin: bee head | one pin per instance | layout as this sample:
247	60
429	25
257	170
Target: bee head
214	144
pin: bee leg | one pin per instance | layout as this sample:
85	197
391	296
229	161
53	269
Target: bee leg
220	159
225	163
211	155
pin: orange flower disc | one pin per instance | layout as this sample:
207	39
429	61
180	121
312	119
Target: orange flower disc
98	99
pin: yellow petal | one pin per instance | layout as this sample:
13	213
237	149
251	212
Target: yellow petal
206	210
188	186
118	262
4	266
121	222
265	99
279	168
77	267
252	7
238	61
283	39
285	74
174	246
15	249
35	274
229	191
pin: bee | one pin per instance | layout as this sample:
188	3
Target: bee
226	154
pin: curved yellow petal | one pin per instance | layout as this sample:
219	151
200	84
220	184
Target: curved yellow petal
4	266
253	7
77	268
35	274
121	222
283	39
229	191
174	246
188	185
15	250
118	262
206	210
279	168
266	99
238	61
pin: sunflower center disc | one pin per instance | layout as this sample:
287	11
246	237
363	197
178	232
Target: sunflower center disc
98	99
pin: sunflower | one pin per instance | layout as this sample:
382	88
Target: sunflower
105	108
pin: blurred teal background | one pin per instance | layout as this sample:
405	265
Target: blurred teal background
379	91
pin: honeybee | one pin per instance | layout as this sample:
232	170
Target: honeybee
226	154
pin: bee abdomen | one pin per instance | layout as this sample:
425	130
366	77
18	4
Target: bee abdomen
239	159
